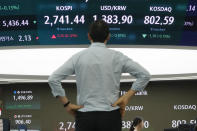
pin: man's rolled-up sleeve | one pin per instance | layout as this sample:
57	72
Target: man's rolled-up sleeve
141	74
57	76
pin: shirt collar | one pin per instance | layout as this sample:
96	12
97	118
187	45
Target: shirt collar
97	44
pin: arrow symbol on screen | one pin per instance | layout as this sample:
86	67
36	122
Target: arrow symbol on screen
144	35
53	37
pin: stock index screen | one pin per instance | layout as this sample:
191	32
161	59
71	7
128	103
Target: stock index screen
65	22
162	105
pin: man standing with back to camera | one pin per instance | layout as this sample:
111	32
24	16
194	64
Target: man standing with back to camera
98	71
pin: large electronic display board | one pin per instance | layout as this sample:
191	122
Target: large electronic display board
65	22
161	104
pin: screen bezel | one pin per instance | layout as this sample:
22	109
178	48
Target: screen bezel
108	45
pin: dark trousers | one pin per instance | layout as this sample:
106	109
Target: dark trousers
98	121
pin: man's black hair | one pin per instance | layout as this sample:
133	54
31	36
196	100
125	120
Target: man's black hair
136	121
99	31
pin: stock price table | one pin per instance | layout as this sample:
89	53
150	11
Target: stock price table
65	22
161	104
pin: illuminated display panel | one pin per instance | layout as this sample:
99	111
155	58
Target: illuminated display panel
162	104
132	22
